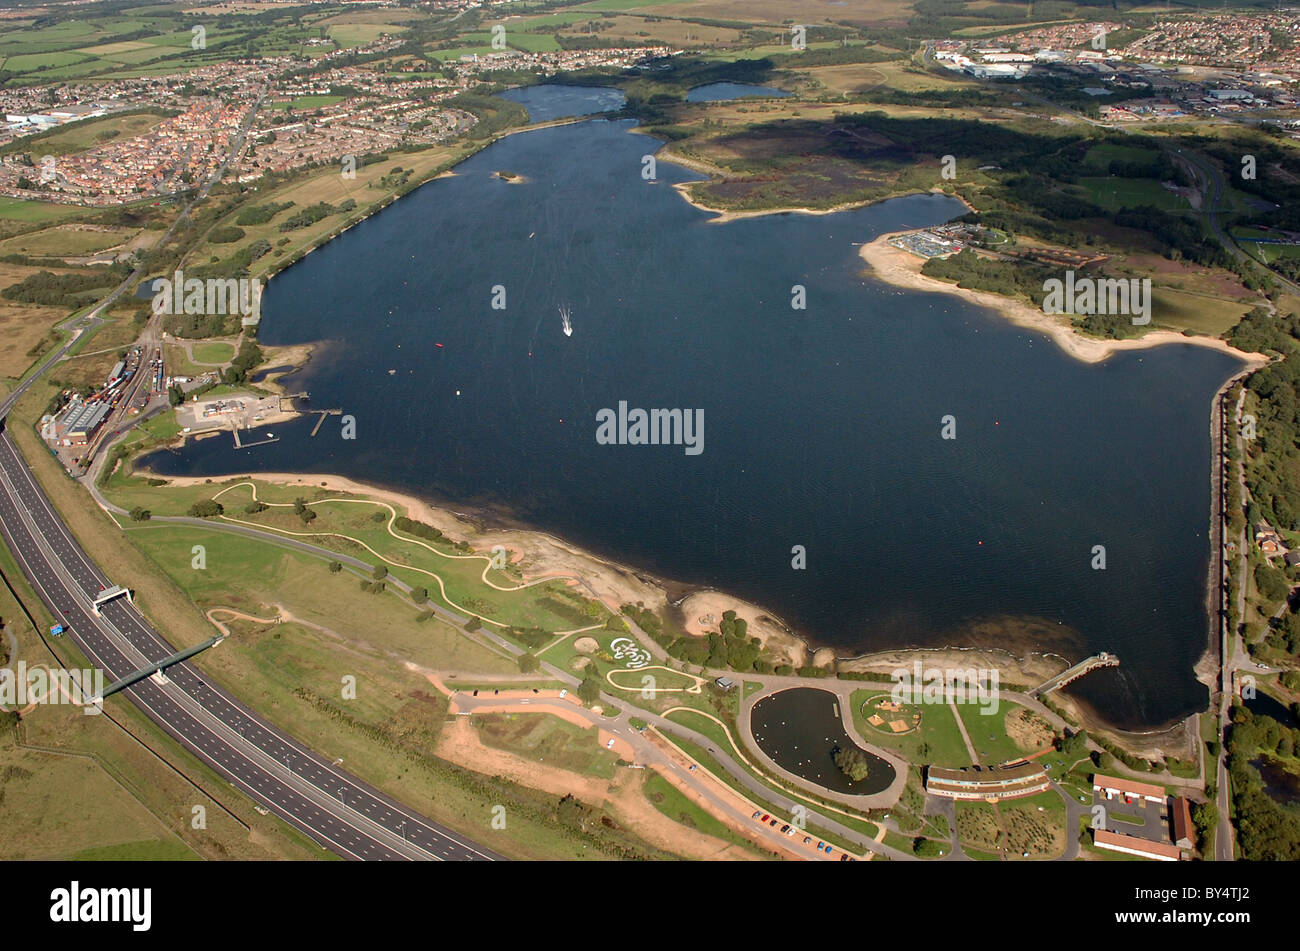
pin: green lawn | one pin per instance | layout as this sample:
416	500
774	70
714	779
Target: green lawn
213	351
18	209
1114	193
989	734
938	742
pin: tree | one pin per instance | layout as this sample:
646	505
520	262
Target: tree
175	395
335	567
473	624
205	508
379	573
853	763
528	663
139	514
926	848
589	689
419	595
1074	744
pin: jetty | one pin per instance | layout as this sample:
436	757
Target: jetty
323	413
1085	666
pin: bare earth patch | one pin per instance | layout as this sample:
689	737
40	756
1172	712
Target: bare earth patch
624	797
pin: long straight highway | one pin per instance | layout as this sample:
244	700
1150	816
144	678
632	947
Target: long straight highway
337	810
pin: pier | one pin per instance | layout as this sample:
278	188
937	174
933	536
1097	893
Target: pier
240	444
1087	665
323	413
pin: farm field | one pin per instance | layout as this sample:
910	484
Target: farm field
66	240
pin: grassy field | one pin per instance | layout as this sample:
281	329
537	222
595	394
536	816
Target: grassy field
214	352
85	134
66	240
666	32
253	577
989	733
18	209
353	517
547	739
938	742
25	333
1114	193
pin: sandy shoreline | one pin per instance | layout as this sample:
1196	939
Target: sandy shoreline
539	554
902	269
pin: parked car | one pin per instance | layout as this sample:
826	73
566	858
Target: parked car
807	839
785	828
765	817
756	815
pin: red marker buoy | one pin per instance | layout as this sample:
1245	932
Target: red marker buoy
438	345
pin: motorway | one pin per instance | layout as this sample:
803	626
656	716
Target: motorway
335	809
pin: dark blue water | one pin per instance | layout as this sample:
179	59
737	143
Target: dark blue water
802	728
550	101
822	426
716	92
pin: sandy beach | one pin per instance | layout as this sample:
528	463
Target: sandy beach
902	269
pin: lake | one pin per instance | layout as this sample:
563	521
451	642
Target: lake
558	101
822	426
